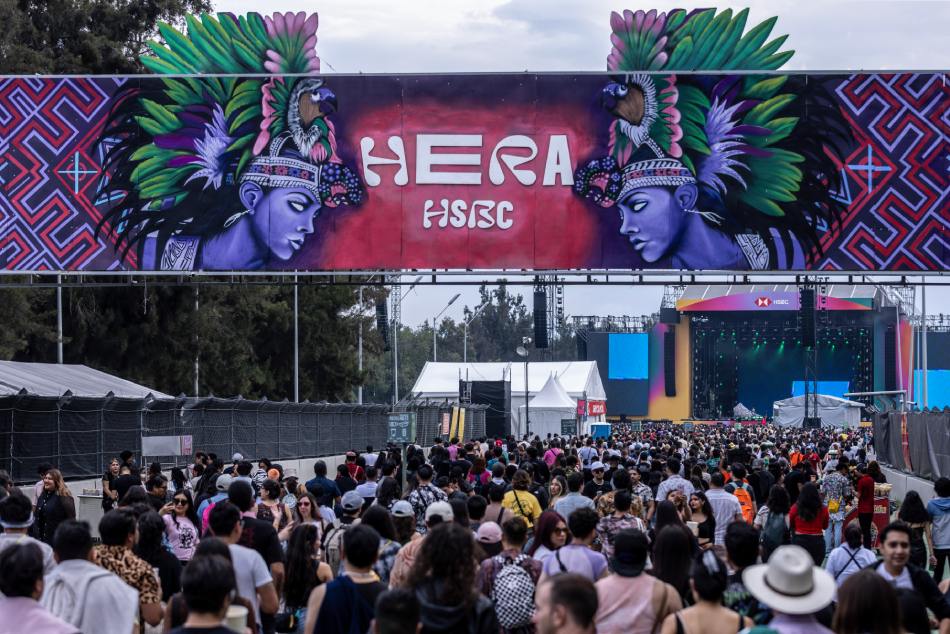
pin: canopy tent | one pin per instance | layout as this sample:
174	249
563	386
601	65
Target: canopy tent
579	380
834	411
54	379
548	408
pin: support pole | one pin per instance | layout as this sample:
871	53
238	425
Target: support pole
197	367
59	319
923	346
527	412
296	343
359	351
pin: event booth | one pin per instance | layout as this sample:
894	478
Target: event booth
552	411
580	380
833	411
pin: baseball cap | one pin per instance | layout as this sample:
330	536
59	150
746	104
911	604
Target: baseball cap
223	482
402	508
352	501
488	533
597	466
237	457
442	509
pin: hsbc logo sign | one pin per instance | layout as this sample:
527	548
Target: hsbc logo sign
765	302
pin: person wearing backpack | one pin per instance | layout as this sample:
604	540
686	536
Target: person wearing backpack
740	488
510	579
332	543
772	521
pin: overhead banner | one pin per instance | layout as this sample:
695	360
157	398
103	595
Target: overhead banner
293	170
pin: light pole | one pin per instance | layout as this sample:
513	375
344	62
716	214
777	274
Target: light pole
522	351
465	331
435	350
397	308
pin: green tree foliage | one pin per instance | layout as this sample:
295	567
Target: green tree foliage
493	335
83	36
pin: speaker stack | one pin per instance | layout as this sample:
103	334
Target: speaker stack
382	322
540	319
806	316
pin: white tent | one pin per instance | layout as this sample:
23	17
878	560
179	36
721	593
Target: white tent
579	379
834	411
548	408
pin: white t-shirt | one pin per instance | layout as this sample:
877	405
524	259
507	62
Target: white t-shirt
370	459
367	489
91	598
251	572
725	507
11	539
900	581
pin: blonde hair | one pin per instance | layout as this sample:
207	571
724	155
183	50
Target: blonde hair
59	485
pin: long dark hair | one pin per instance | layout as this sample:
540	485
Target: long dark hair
387	492
666	515
380	519
809	502
672	558
301	565
190	512
778	502
867	604
707	508
149	545
178	477
912	509
446	558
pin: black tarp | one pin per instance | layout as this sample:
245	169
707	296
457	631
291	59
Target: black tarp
928	437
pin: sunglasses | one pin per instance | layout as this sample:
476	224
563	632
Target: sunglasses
181	502
305	504
560	531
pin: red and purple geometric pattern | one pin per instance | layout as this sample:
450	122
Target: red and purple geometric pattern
896	179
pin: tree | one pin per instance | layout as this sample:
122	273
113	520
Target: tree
500	327
92	36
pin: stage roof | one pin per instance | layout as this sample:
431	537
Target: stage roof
52	379
771	297
578	378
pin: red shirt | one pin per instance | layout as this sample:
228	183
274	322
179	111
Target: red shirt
866	494
814	527
356	471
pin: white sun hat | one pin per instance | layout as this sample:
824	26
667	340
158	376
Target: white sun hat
790	582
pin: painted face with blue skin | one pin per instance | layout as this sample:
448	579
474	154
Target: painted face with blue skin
282	217
653	218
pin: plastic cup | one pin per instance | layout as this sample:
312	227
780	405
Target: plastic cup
236	619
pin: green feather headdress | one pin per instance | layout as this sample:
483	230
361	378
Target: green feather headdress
198	133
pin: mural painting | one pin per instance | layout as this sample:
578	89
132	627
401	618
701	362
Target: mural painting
690	153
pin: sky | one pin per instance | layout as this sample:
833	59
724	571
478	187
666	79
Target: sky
401	36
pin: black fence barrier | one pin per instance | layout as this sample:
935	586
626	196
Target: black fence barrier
80	435
928	442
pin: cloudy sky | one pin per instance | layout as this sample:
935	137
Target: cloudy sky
570	35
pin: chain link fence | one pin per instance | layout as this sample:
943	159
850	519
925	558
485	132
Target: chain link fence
80	435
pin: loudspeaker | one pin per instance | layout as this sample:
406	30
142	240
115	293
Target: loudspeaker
382	322
806	316
669	316
669	361
890	359
581	344
812	422
540	319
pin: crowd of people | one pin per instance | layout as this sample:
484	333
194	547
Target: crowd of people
665	529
